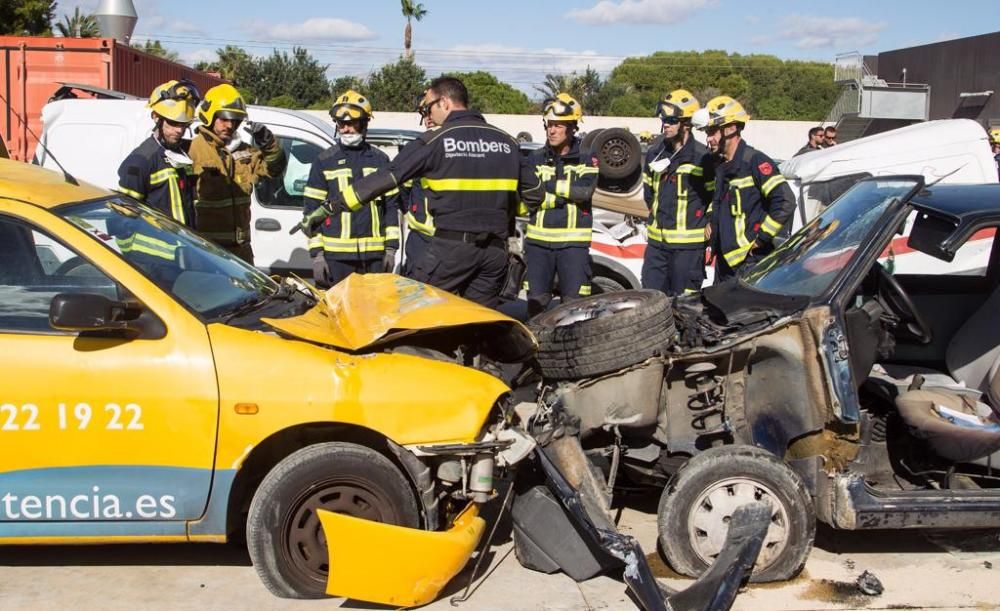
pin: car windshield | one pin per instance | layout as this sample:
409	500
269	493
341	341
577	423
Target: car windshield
203	276
809	261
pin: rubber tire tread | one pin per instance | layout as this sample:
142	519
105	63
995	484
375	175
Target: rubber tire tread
603	345
720	463
282	484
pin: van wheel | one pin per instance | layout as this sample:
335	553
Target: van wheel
284	535
697	504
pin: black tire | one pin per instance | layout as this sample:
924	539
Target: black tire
602	285
602	333
284	536
735	472
586	145
618	152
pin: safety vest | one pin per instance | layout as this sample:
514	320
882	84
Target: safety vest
147	176
564	217
752	201
678	196
364	233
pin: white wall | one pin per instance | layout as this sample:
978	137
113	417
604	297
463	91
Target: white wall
779	139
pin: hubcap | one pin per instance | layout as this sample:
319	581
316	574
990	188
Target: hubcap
615	153
708	522
599	309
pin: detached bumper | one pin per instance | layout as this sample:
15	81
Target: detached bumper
393	565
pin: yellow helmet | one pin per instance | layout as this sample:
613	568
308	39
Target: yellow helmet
352	106
563	107
222	101
723	110
175	101
679	103
995	135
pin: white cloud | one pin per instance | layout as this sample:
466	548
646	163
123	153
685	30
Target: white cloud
197	55
187	27
809	32
642	12
313	29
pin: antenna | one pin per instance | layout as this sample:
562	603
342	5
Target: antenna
66	175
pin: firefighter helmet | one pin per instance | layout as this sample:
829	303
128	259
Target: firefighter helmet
175	101
224	102
722	110
351	106
563	107
995	135
679	103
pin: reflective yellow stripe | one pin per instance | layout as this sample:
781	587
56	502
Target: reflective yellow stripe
549	202
545	172
562	188
353	244
469	184
140	243
571	210
392	233
548	234
770	226
690	168
742	183
584	170
647	179
773	182
130	192
176	205
337	174
314	193
673	236
345	225
222	203
376	224
585	290
737	256
681	221
425	228
315	242
710	186
157	177
351	198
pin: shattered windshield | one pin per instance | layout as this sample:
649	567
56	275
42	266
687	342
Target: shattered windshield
809	261
204	277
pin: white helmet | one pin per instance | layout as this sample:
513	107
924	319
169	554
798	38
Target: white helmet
699	120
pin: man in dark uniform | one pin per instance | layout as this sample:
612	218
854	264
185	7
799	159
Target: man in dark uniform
416	213
471	173
677	183
359	241
752	201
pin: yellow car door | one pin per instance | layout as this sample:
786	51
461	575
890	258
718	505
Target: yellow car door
102	436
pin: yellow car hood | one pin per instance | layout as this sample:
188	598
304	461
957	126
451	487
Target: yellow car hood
367	310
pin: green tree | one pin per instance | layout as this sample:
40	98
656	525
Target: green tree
155	47
283	101
489	95
588	88
27	17
396	87
232	63
343	83
298	75
411	10
79	25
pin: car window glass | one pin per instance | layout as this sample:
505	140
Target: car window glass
971	259
34	268
286	191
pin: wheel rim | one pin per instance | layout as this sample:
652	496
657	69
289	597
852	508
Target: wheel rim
615	153
708	521
305	544
606	306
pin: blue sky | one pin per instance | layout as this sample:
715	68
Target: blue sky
521	40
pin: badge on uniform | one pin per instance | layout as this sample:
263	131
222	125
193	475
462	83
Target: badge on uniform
766	168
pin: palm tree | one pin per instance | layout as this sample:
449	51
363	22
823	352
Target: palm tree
80	25
411	10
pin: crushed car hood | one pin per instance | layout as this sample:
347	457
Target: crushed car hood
736	303
368	310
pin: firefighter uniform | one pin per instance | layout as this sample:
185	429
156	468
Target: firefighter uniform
227	173
557	238
419	224
471	173
678	198
352	241
148	176
752	204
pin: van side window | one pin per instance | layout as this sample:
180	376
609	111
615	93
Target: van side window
286	191
34	268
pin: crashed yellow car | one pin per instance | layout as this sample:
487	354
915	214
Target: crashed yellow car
158	389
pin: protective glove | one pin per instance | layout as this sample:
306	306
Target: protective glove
262	136
514	245
310	222
389	260
321	271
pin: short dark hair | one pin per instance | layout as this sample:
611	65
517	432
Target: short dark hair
830	128
451	88
814	130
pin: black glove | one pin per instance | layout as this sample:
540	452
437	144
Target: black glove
389	260
262	136
310	222
321	271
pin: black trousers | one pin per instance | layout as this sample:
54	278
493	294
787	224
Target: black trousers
674	271
416	246
571	264
340	269
473	271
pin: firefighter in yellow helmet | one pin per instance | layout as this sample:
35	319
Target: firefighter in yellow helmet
752	202
678	180
158	171
352	241
557	238
995	143
227	168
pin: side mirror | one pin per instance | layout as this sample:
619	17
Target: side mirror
85	312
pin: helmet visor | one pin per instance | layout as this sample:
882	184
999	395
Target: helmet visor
555	108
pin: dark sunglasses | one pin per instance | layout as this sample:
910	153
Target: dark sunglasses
425	109
670	120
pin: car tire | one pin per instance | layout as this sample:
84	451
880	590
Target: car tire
697	503
284	536
602	333
602	285
618	153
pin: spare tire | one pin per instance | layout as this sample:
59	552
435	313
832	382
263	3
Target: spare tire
618	152
603	333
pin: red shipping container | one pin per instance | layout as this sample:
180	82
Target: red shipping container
32	68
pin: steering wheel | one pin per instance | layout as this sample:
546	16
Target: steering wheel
902	306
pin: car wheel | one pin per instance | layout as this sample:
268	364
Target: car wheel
602	333
697	504
617	151
601	285
284	535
